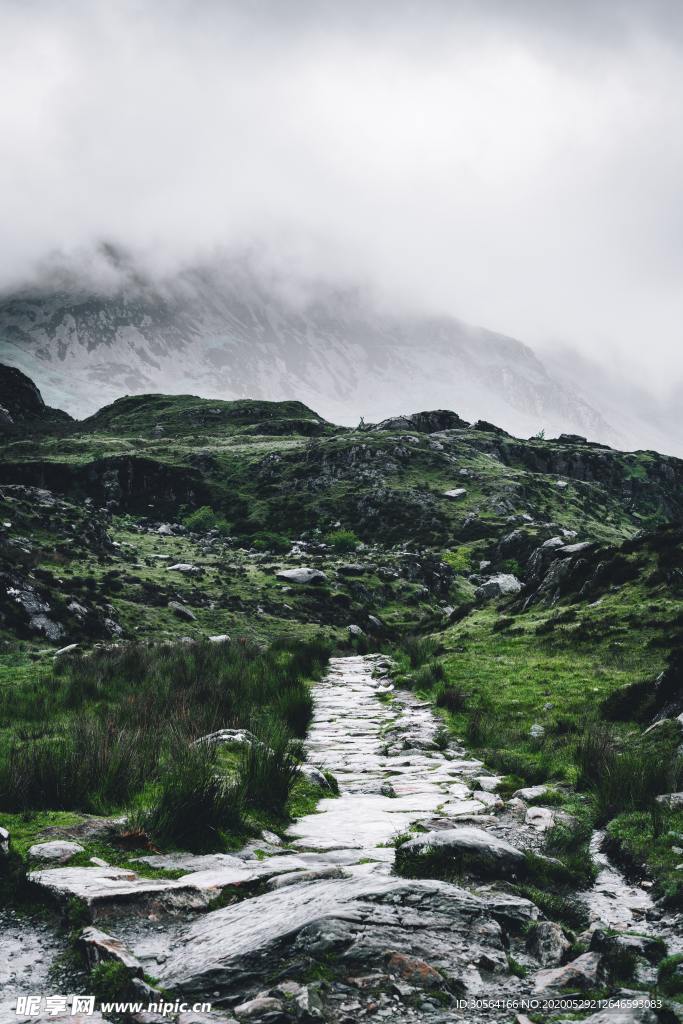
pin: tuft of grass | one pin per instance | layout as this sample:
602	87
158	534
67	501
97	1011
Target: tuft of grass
109	980
452	697
269	769
670	975
419	650
343	541
194	801
623	776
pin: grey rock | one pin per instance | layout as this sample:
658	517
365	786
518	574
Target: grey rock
531	792
626	942
455	493
489	783
303	574
584	973
219	638
186	568
98	946
314	775
547	943
672	801
356	631
500	585
482	850
57	851
229	737
4	841
541	818
181	612
255	1009
359	917
65	650
537	731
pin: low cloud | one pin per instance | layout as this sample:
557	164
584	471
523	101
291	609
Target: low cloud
515	163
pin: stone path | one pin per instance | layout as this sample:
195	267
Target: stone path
321	929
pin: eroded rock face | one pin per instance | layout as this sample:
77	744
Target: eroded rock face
359	919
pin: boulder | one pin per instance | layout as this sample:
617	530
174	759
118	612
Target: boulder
355	631
229	737
547	943
185	567
304	574
314	775
219	638
57	851
4	841
500	585
181	612
583	974
455	493
481	852
541	818
531	792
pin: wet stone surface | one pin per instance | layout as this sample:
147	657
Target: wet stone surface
322	929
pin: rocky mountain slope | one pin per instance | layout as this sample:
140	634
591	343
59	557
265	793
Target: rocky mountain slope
226	332
174	568
22	407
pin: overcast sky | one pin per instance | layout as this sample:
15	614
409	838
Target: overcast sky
517	163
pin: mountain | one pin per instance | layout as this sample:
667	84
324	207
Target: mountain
655	422
22	406
228	332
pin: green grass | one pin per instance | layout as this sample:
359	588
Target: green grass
113	730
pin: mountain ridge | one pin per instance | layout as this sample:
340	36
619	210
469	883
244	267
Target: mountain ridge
227	332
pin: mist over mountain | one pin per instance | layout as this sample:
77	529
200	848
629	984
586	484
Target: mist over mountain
231	329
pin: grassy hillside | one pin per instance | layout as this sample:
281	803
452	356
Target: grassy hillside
163	518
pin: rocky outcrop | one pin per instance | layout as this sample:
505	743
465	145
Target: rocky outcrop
362	920
22	407
128	483
424	422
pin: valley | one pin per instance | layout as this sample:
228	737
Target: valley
341	722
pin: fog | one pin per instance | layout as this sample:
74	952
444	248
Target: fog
515	163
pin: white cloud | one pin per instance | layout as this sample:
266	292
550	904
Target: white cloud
515	163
